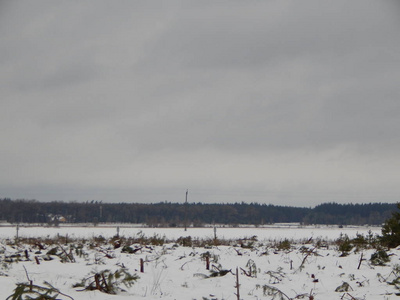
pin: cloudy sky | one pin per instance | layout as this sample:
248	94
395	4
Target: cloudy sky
282	102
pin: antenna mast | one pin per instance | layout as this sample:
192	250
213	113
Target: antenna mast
187	191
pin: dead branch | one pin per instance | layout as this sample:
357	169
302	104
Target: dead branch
237	286
26	273
238	252
105	252
347	294
275	276
361	259
30	281
248	274
183	265
69	256
310	252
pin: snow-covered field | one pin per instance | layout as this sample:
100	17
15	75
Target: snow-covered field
263	233
308	269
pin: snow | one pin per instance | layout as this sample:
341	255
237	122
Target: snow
263	233
178	272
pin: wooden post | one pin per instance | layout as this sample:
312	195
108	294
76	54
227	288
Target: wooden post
141	265
16	237
215	235
207	263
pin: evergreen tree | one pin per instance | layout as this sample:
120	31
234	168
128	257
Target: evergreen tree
391	230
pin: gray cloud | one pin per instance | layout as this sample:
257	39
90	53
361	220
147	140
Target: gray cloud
278	102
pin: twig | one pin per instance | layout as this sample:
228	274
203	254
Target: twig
65	295
58	291
361	259
183	265
26	272
30	281
248	274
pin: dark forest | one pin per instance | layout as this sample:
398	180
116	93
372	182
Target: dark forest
194	214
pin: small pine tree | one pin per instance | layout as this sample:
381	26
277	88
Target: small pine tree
391	230
107	281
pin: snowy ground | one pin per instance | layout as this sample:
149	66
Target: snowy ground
263	233
173	271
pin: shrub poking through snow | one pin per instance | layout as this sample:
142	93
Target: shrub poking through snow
393	278
274	292
379	258
184	241
219	273
344	287
344	245
252	268
391	230
284	245
130	250
30	291
107	281
276	276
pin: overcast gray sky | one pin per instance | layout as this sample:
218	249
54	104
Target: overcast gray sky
283	102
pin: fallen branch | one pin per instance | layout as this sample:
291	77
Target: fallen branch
105	252
273	291
347	294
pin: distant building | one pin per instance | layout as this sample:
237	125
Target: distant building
55	219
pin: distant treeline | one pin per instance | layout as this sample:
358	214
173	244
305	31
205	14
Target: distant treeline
196	214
